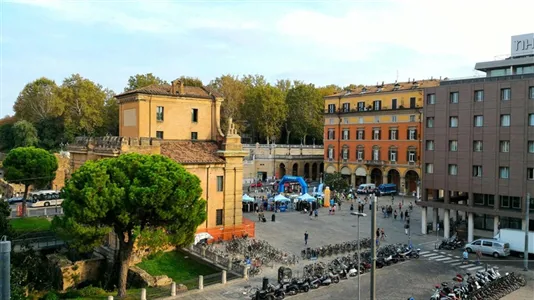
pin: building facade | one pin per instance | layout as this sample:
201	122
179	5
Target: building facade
373	134
215	158
266	162
479	148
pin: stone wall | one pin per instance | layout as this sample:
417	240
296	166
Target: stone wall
63	170
139	278
73	273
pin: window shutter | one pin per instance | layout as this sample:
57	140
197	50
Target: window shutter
363	134
408	155
379	134
408	134
389	155
415	133
333	134
390	134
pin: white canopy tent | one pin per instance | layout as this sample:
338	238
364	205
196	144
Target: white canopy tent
247	198
307	197
202	236
281	198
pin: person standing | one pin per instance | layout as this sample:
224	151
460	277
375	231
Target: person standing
479	256
306	238
395	215
465	256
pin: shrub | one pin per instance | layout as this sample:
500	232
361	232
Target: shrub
50	296
90	291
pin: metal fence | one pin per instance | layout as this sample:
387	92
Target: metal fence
214	258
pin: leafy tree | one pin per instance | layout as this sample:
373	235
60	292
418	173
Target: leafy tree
284	85
266	110
131	192
5	213
329	90
29	166
191	81
85	104
24	134
8	120
52	133
233	91
29	272
39	100
254	80
305	105
6	137
141	80
111	115
336	182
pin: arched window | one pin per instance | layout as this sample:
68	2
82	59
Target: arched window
360	153
330	152
376	153
345	152
411	154
393	154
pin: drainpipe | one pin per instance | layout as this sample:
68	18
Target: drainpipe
339	134
150	117
207	194
235	187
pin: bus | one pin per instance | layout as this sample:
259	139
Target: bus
45	198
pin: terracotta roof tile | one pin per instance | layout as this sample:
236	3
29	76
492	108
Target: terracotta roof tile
389	87
192	152
165	89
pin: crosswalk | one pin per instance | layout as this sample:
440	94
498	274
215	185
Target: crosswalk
453	260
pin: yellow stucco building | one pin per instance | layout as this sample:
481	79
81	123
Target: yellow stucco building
183	123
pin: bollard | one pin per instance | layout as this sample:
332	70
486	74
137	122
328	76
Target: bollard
245	272
173	288
200	282
216	258
110	297
229	264
203	252
5	268
143	294
223	279
45	212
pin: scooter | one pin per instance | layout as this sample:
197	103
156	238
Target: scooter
333	276
314	282
325	280
303	285
291	289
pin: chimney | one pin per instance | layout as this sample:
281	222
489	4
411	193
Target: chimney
177	87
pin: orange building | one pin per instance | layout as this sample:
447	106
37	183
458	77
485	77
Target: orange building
373	134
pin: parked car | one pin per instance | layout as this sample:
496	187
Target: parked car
257	184
387	189
366	188
489	247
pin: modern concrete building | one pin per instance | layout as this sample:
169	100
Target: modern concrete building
479	146
373	134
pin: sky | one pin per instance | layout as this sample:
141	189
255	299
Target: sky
320	42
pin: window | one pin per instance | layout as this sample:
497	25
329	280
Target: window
346	107
376	154
331	134
516	202
530	119
393	103
359	154
530	173
331	108
194	115
361	106
411	156
477	171
412	102
430	145
453	122
377	105
194	136
346	134
479	121
412	134
431	99
219	217
479	96
360	120
430	122
345	153
505	201
505	120
429	168
361	134
454	96
530	146
504	172
393	119
477	146
531	92
220	184
393	134
412	118
393	155
506	94
159	134
504	146
331	153
453	170
159	113
376	134
453	146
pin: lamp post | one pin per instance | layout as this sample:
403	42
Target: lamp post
358	238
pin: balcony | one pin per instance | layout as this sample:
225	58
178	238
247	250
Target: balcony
375	162
367	110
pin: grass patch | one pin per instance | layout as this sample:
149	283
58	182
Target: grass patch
175	265
21	225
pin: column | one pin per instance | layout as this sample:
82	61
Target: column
446	223
353	180
423	219
447	197
368	178
496	221
523	225
384	178
435	219
470	226
403	187
454	215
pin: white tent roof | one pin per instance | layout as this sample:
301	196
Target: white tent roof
307	197
281	198
247	198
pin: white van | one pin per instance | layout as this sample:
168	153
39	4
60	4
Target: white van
366	188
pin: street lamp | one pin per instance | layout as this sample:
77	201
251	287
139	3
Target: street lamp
358	238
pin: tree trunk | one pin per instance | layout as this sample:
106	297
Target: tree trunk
287	136
304	139
24	210
125	252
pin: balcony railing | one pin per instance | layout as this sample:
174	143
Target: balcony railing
367	110
375	162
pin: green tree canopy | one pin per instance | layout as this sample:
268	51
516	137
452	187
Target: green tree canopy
5	213
191	81
24	134
6	137
336	182
306	106
233	91
39	100
141	80
30	166
85	102
329	90
133	191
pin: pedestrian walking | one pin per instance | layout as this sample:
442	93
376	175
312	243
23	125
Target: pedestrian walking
401	214
352	207
395	215
377	233
316	213
400	205
479	256
311	213
465	256
339	205
406	227
306	238
406	215
382	234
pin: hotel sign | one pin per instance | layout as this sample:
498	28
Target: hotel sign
523	45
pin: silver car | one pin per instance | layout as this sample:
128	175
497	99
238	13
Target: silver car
489	247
